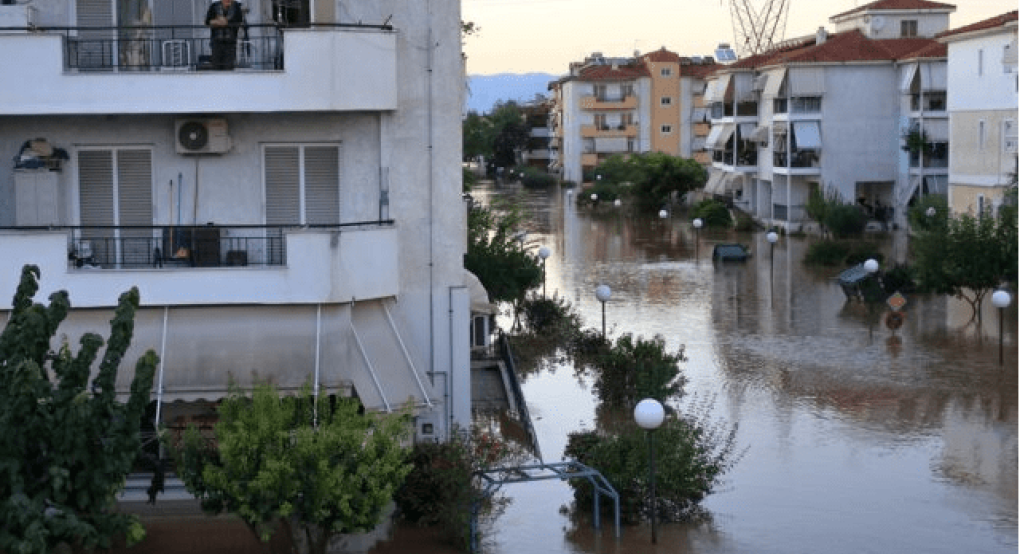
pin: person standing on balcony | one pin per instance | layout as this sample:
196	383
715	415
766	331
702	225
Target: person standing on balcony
226	18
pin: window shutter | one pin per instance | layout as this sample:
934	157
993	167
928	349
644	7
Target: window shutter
283	185
322	185
134	206
95	202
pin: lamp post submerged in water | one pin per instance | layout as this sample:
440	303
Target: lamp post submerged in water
603	293
1001	300
543	253
649	415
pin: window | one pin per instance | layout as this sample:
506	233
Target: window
666	72
601	122
302	184
981	62
982	135
627	90
666	129
908	28
779	105
806	104
666	101
1009	136
115	189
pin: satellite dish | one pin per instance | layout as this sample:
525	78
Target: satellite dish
877	22
193	135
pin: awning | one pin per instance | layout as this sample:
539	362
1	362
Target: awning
807	81
933	76
807	135
907	77
725	88
714	184
207	347
760	134
746	130
937	130
760	82
779	132
698	144
480	303
733	182
700	115
712	92
720	138
775	82
743	86
936	184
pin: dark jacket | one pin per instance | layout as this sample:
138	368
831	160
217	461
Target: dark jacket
235	20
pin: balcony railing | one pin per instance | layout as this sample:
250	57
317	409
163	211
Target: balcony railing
162	48
799	159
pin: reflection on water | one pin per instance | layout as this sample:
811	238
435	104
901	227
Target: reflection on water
860	439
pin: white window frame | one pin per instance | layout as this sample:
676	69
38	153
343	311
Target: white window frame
908	28
666	101
666	72
666	129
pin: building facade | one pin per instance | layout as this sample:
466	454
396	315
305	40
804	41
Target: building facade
982	103
832	113
297	219
608	106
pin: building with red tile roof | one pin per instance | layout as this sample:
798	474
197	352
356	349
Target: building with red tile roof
829	112
646	103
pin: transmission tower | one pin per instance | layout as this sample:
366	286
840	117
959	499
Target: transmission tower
758	25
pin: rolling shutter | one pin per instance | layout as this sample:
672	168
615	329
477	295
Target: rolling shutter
283	185
322	185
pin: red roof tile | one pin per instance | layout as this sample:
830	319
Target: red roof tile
989	23
699	71
881	5
853	46
662	55
613	73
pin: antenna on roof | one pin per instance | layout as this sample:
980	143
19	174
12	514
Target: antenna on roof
758	25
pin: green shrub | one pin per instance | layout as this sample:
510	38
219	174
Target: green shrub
827	253
861	252
744	223
636	368
899	278
534	178
845	220
691	457
713	213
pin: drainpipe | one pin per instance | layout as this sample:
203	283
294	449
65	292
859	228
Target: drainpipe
449	382
315	391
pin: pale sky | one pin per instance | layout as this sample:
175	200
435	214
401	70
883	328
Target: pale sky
524	36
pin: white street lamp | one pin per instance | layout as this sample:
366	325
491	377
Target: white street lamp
871	266
663	214
617	202
649	415
603	293
1001	300
543	253
697	235
772	237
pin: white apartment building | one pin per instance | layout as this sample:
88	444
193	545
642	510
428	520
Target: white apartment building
297	219
982	100
831	112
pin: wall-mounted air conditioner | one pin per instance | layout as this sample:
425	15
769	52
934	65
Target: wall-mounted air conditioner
201	136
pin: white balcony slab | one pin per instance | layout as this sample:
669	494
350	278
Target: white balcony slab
323	266
324	70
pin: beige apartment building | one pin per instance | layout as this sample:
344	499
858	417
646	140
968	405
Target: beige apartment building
607	106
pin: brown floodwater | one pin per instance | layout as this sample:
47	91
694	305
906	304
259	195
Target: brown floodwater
858	439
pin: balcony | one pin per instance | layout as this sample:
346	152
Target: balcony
609	131
609	102
208	264
142	70
799	162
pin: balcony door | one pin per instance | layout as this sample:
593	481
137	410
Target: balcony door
302	187
115	190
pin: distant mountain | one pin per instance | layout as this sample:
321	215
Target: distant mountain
485	90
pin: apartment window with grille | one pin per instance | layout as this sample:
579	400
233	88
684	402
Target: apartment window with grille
806	104
666	129
666	101
908	28
666	72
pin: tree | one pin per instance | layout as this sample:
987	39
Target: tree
966	256
510	134
477	131
317	467
66	446
496	257
655	177
633	369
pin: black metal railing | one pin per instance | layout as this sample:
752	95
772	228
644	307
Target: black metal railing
163	48
799	159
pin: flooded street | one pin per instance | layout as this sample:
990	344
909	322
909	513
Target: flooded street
858	439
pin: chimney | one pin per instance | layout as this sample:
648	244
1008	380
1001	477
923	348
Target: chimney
821	35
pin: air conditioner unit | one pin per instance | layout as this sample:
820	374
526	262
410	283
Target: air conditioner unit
201	136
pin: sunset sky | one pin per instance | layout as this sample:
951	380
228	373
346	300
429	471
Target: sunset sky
522	36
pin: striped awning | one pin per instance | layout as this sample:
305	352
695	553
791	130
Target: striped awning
714	184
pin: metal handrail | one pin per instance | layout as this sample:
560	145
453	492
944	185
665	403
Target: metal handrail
522	406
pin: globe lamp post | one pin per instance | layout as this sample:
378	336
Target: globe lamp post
603	293
543	253
649	415
772	237
1001	300
697	234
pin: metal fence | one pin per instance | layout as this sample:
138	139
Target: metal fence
166	48
133	247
